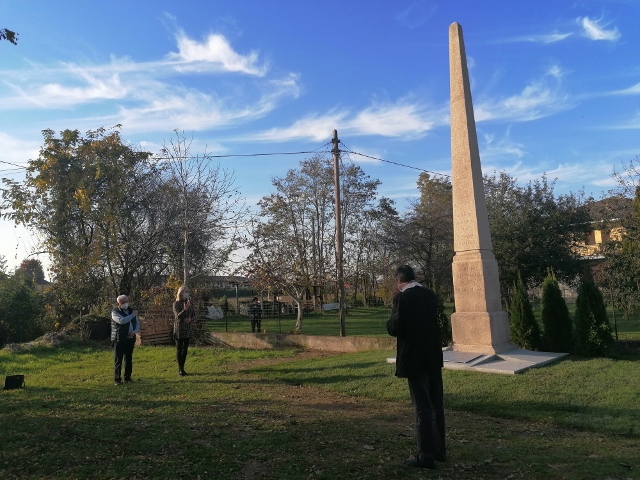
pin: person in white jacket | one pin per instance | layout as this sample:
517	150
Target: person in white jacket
124	326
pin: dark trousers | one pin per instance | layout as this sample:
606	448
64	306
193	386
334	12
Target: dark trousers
123	350
428	402
255	325
182	347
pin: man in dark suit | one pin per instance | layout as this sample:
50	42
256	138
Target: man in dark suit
414	322
124	326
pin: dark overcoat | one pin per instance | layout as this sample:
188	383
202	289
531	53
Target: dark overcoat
414	321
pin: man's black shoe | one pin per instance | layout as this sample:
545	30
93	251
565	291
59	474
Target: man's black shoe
117	382
127	380
420	462
440	456
182	373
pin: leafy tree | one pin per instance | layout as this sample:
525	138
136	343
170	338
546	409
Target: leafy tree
8	35
32	269
21	309
557	329
592	330
3	266
523	326
620	272
427	233
98	205
534	230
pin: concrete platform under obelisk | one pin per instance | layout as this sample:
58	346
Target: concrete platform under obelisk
480	328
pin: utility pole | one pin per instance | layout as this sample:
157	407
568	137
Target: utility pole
339	261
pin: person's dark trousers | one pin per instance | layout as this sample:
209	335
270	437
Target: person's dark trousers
182	347
123	351
255	325
428	403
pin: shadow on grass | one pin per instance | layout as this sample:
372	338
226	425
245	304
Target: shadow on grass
119	435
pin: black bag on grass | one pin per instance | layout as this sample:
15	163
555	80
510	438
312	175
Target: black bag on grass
13	381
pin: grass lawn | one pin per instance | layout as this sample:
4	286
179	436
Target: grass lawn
289	414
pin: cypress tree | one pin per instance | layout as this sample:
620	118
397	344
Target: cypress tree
523	326
557	334
592	330
444	323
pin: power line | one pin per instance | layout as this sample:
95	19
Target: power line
396	163
14	164
303	152
243	155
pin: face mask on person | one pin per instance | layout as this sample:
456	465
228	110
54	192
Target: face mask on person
186	296
124	306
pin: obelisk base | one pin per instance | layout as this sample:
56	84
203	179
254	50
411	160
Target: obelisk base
481	332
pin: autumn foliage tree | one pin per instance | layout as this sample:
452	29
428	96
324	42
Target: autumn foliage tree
99	209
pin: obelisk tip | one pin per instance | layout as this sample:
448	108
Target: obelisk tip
455	26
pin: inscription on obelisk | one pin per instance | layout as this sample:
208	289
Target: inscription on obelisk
479	324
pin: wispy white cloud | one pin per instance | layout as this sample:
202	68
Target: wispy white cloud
312	127
567	173
82	87
150	95
494	149
597	30
164	109
631	124
633	90
593	29
417	14
214	54
540	98
541	38
556	72
402	119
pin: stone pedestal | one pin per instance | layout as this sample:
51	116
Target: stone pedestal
479	323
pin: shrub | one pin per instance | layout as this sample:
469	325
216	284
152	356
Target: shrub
21	310
592	330
557	330
524	329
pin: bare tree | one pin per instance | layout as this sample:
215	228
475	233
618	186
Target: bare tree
293	245
209	208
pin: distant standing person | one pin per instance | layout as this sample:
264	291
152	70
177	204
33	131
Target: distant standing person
124	326
414	322
255	312
184	315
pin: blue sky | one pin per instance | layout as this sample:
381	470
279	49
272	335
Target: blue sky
555	84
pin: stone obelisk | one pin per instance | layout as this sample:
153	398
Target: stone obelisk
479	324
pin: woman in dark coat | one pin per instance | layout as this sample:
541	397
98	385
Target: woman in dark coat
184	315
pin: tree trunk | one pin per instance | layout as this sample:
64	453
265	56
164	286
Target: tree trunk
300	305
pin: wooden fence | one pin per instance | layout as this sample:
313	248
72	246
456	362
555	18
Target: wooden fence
156	324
